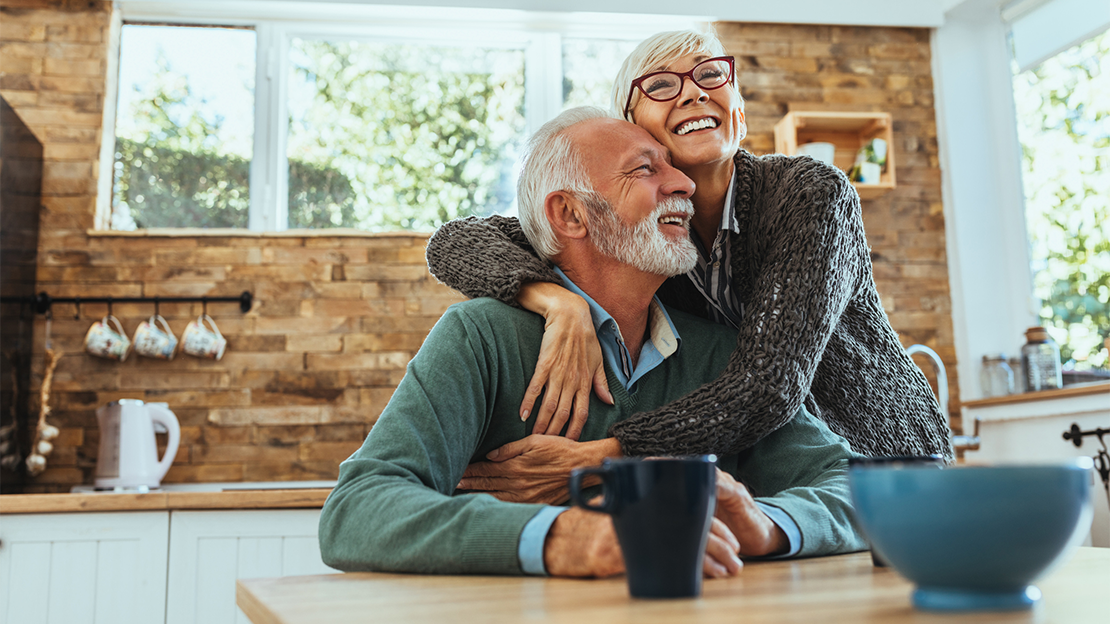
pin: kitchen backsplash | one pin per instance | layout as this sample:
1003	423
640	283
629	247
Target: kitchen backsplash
336	317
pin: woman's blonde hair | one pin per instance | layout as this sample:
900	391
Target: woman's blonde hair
652	54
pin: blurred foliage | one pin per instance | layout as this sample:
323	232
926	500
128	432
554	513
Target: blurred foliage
165	187
1064	126
381	137
161	186
589	66
416	134
170	166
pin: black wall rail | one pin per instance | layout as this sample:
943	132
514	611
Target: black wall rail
1076	435
43	302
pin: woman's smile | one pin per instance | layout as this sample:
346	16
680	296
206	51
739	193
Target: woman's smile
695	125
699	126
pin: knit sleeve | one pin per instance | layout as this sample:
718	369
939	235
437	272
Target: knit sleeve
487	257
806	258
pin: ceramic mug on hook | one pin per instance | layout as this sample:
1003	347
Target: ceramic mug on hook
153	341
203	339
102	340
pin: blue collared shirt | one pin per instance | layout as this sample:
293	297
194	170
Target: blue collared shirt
663	342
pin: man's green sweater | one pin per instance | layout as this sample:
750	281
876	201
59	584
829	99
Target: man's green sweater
395	509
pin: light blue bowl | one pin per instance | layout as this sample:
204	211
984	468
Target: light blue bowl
974	538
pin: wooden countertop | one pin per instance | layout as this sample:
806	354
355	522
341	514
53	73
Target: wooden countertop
830	590
155	501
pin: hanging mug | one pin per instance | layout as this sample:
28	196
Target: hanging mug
104	341
153	341
203	339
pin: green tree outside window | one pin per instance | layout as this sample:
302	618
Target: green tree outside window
1063	108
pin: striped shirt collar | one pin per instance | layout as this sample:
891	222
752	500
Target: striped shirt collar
663	339
728	214
712	275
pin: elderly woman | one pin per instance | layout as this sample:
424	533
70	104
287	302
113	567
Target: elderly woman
782	258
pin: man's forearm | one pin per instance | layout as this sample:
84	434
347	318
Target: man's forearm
597	451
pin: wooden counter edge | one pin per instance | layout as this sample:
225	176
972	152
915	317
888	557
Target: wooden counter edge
1097	387
163	501
249	499
252	607
71	503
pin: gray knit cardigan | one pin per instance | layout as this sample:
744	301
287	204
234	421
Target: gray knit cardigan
813	327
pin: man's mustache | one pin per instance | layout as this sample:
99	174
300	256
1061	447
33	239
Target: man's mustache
674	206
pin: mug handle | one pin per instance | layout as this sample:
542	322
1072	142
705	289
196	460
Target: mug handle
158	320
609	485
114	321
211	323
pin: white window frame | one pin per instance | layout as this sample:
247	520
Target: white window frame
989	273
539	35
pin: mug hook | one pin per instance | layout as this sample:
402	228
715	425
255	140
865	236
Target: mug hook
110	307
204	302
49	320
157	303
77	306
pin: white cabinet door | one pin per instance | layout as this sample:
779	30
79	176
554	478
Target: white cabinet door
101	568
209	550
1032	432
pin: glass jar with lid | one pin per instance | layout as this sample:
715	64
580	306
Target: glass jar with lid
1040	361
996	377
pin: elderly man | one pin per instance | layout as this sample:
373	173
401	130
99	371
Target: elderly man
599	198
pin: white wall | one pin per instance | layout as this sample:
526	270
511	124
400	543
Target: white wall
988	258
925	13
1044	28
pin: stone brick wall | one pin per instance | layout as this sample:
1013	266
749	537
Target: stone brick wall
336	317
307	370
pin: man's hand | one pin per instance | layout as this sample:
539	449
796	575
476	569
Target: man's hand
535	469
582	543
758	535
721	551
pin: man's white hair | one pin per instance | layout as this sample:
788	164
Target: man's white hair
551	163
653	54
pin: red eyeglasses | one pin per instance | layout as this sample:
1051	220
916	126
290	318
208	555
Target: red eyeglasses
664	86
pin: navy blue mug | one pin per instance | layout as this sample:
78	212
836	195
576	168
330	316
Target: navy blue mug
662	510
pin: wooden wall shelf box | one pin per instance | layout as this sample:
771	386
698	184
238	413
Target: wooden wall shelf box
848	131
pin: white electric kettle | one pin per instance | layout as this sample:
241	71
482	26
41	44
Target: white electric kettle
128	456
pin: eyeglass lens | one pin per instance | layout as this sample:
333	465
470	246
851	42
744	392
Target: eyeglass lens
667	85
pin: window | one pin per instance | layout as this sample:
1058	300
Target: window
1063	110
589	66
368	121
184	133
387	136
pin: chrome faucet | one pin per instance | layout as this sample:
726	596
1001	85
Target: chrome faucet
959	442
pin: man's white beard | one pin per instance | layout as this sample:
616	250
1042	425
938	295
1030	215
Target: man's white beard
642	245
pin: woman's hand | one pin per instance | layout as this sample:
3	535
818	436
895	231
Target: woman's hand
570	361
535	469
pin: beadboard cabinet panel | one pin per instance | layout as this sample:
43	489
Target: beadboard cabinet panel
96	568
209	550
